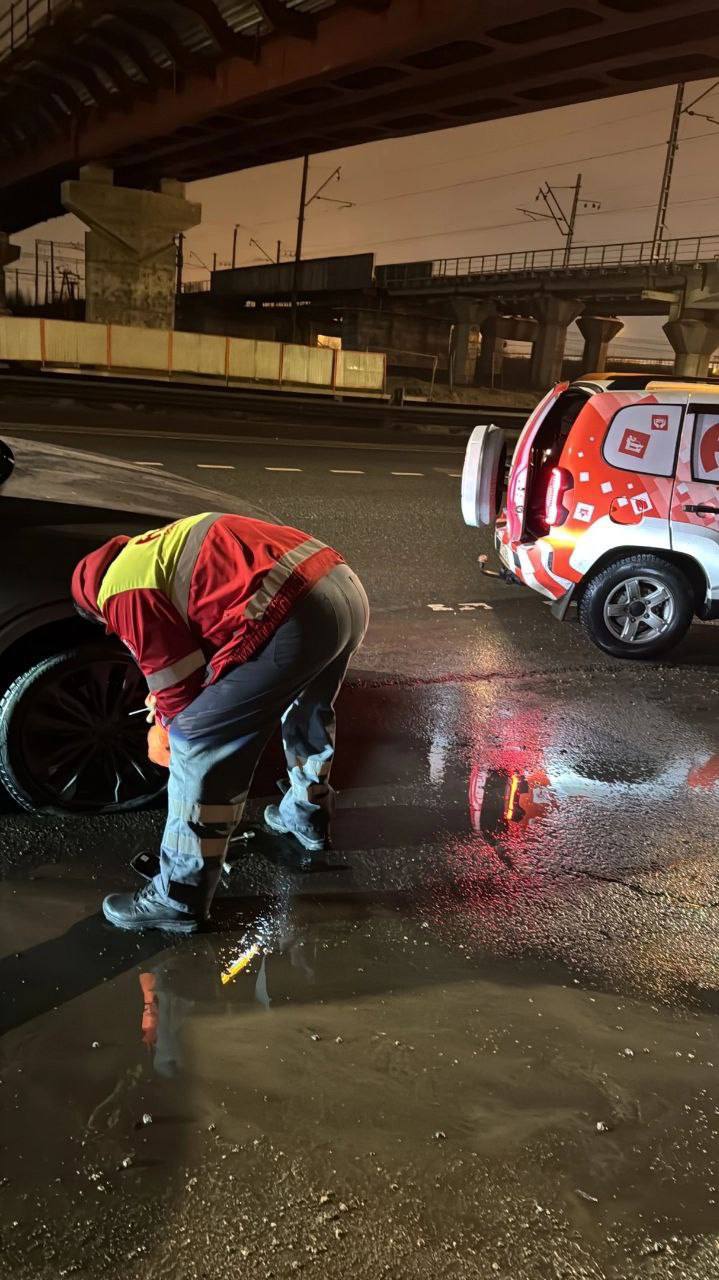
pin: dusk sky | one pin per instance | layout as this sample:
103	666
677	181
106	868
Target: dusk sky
456	192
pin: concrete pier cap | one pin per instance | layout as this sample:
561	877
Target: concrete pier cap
597	332
694	340
554	316
130	251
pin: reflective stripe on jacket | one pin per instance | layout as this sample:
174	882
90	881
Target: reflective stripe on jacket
203	594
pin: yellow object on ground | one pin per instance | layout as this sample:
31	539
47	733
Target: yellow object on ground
239	964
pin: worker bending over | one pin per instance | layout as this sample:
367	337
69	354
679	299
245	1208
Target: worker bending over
237	625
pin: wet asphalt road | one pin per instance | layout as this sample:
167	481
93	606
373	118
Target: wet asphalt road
479	1041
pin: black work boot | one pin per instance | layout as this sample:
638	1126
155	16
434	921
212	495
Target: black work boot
315	838
145	910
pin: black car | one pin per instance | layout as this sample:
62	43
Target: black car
72	714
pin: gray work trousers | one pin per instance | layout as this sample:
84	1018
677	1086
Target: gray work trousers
217	741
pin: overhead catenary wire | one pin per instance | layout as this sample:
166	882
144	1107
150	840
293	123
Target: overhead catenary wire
532	142
495	226
499	177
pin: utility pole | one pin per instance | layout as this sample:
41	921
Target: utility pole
572	220
234	244
304	204
565	223
298	246
672	146
279	251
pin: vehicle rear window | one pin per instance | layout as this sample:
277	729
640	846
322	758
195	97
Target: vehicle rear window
705	454
644	438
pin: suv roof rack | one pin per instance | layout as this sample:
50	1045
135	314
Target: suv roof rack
638	381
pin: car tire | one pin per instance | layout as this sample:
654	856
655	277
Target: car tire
483	476
638	607
73	735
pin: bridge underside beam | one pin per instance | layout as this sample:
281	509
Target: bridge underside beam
295	82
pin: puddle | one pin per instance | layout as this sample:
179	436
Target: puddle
480	1042
458	1108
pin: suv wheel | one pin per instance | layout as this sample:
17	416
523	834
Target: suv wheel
638	607
73	735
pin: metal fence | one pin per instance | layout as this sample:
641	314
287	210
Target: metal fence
581	258
168	353
52	271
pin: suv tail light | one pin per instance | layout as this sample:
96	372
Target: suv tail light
560	482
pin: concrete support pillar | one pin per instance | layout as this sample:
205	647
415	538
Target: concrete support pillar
597	332
554	316
497	330
694	339
489	364
469	315
8	253
130	254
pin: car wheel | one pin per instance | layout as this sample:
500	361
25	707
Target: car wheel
638	607
73	735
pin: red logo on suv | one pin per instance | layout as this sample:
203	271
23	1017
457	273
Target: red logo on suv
634	443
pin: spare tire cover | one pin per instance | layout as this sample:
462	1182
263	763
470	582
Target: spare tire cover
483	476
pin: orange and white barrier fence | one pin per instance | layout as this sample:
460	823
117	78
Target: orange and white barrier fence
73	344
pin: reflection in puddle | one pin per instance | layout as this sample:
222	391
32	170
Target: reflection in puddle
421	1067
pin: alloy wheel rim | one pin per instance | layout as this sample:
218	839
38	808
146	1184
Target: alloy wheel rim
84	736
639	610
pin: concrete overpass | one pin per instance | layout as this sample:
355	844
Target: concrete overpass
186	89
531	295
592	284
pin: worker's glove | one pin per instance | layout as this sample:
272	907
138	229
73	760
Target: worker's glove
158	746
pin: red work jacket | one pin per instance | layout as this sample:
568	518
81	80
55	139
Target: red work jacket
198	596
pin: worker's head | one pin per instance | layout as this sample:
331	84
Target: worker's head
88	576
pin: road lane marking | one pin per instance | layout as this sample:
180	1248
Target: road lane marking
214	466
149	464
336	471
466	606
407	473
283	468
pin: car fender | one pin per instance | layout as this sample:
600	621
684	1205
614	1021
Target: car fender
32	620
650	534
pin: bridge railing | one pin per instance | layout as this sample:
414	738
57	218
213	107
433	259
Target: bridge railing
582	257
21	19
